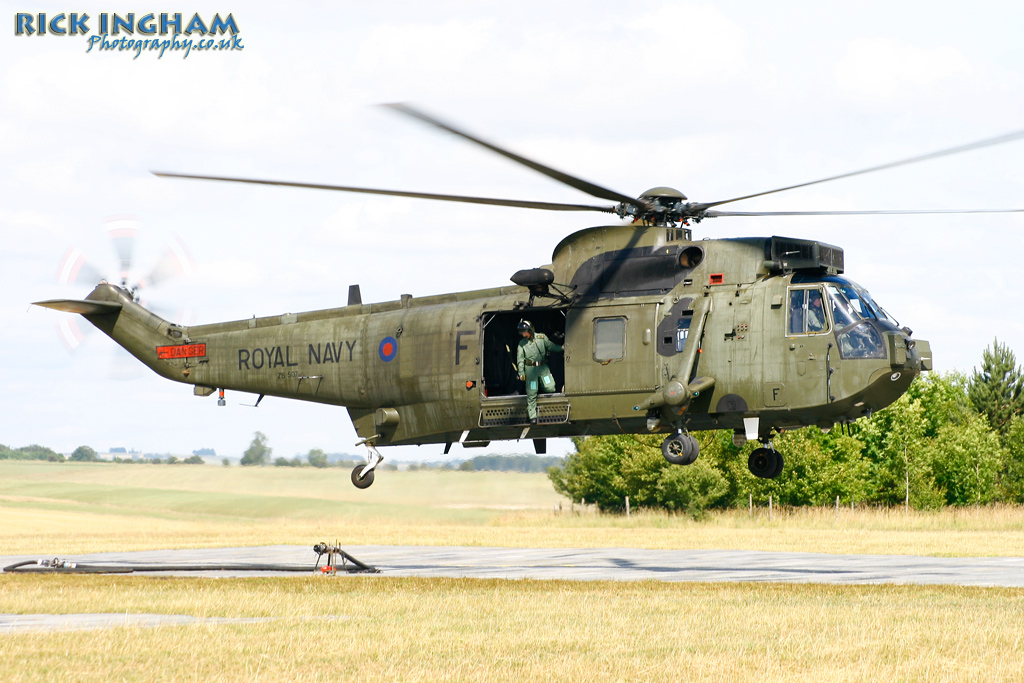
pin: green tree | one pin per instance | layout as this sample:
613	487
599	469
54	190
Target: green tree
638	469
317	458
592	473
943	396
818	467
33	452
894	442
258	452
691	489
965	461
995	389
84	454
604	470
1013	467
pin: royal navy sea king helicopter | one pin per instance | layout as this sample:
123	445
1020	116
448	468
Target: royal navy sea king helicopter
661	333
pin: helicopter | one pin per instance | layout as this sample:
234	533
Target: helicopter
660	333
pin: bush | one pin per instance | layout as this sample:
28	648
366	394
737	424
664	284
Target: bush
33	452
84	454
966	462
604	470
317	458
258	453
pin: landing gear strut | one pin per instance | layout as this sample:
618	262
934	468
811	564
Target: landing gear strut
362	475
680	449
766	462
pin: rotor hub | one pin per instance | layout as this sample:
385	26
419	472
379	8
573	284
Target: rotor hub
663	193
661	206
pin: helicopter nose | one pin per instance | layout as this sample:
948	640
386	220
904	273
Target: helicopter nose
914	355
907	358
885	386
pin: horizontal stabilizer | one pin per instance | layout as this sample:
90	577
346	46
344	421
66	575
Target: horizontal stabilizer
85	307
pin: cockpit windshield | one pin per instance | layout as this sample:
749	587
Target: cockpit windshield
850	302
852	310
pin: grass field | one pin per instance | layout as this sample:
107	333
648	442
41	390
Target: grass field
381	628
375	628
62	508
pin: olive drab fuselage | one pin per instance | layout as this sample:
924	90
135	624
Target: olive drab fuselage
660	333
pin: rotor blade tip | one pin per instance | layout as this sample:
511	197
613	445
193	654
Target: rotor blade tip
403	107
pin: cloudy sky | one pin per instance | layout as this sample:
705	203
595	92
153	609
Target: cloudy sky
716	99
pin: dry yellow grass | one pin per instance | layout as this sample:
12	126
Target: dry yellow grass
381	628
74	508
47	532
376	628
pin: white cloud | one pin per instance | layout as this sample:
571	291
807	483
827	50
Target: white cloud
880	69
229	274
399	51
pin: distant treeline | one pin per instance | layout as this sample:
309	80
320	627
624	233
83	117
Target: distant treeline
481	463
315	458
87	454
510	463
33	452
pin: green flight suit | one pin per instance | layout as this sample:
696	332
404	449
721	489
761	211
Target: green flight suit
531	360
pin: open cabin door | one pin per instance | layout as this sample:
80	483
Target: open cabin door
503	396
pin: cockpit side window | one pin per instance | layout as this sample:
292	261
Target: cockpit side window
806	312
843	310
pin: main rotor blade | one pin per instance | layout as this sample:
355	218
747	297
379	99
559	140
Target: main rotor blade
1009	137
716	214
521	203
572	181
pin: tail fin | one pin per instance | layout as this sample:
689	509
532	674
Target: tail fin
82	306
140	332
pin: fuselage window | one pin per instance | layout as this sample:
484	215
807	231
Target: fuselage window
682	332
806	312
609	339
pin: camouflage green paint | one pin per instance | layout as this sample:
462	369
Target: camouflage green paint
412	371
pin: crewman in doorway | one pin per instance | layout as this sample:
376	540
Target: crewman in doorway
532	362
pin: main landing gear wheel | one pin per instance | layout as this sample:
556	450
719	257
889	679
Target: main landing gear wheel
362	475
766	463
680	449
360	480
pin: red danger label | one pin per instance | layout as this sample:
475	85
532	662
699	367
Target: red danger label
180	351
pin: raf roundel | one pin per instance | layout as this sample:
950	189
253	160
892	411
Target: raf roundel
387	349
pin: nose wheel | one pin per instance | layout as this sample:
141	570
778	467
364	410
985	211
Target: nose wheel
766	463
680	449
362	475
